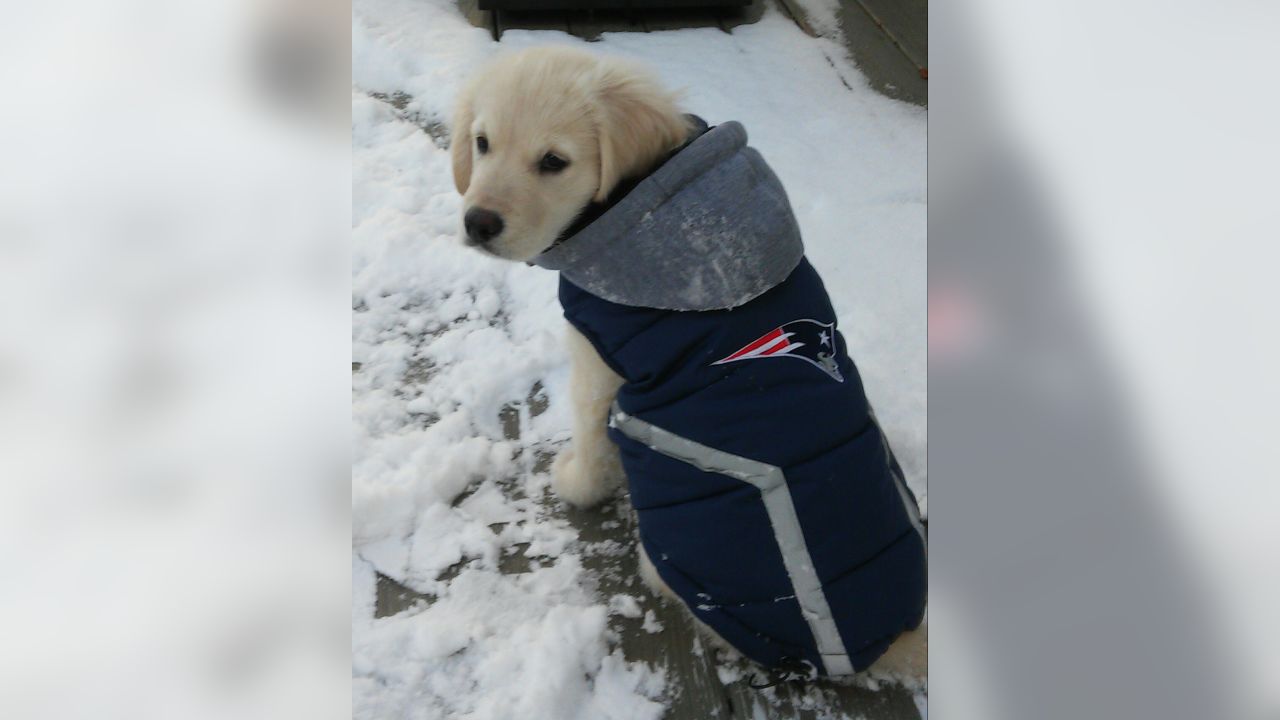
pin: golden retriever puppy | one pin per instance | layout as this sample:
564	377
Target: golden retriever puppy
541	134
575	162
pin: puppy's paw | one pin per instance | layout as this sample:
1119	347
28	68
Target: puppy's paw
581	485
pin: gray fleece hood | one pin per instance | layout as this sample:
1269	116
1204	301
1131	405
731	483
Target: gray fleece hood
710	229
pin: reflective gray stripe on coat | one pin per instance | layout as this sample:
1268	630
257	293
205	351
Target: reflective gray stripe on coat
900	484
782	515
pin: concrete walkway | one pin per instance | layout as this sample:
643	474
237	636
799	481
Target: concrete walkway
887	39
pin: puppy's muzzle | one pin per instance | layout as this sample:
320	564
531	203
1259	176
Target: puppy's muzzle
482	225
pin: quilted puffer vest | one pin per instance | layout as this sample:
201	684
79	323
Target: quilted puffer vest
767	496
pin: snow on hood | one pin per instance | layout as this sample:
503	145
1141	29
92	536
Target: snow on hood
710	229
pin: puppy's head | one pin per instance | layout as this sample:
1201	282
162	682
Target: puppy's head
540	134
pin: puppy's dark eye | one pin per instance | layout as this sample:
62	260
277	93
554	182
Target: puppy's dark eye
552	163
482	144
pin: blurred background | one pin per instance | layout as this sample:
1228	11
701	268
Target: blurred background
174	396
174	333
1102	406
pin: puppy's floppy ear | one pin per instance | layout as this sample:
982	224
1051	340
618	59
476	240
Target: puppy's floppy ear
461	145
637	123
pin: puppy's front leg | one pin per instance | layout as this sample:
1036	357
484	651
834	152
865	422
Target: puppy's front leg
589	470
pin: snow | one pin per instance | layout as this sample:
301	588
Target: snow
459	383
626	606
651	624
821	15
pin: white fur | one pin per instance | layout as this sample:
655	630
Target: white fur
607	118
610	120
589	470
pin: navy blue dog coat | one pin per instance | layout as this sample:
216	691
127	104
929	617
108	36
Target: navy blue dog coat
767	496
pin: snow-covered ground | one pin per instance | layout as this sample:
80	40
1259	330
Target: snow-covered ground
453	351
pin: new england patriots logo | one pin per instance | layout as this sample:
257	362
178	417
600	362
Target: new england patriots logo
808	340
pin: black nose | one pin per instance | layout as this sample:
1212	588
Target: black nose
482	225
